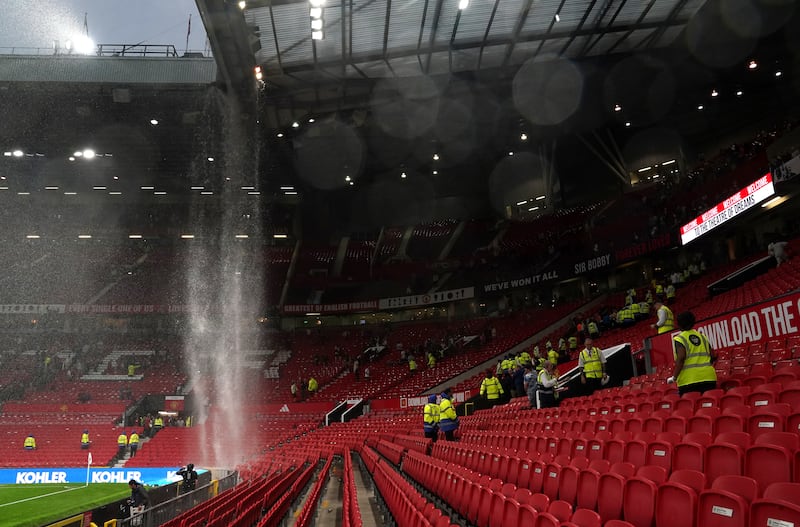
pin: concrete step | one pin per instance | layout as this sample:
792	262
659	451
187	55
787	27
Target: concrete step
367	504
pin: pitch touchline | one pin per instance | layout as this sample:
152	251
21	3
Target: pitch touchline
42	496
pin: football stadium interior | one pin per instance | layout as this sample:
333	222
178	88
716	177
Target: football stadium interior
413	263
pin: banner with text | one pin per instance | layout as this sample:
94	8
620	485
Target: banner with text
264	410
596	263
327	309
413	402
427	299
724	211
125	309
643	248
30	309
525	280
773	319
149	476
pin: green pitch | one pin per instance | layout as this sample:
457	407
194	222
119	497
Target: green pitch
41	504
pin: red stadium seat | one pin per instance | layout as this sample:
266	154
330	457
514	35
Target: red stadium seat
779	507
676	500
727	503
640	495
610	489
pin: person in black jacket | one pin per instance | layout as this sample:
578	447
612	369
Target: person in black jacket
189	476
137	502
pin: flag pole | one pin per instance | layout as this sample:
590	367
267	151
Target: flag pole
88	467
188	32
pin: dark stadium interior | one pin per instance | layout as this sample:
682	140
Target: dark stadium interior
274	257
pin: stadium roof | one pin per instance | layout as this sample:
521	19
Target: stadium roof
381	38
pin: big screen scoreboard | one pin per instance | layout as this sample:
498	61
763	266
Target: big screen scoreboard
726	210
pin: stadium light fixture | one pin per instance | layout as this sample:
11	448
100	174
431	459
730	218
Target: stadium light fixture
315	12
210	159
351	183
280	134
7	154
436	157
295	125
739	93
347	178
627	124
435	172
510	153
523	137
774	202
714	93
316	24
403	175
311	120
71	158
558	17
700	106
463	4
317	35
88	153
78	154
778	73
17	153
752	65
154	122
617	108
82	45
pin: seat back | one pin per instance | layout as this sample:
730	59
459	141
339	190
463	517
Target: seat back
768	464
694	479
